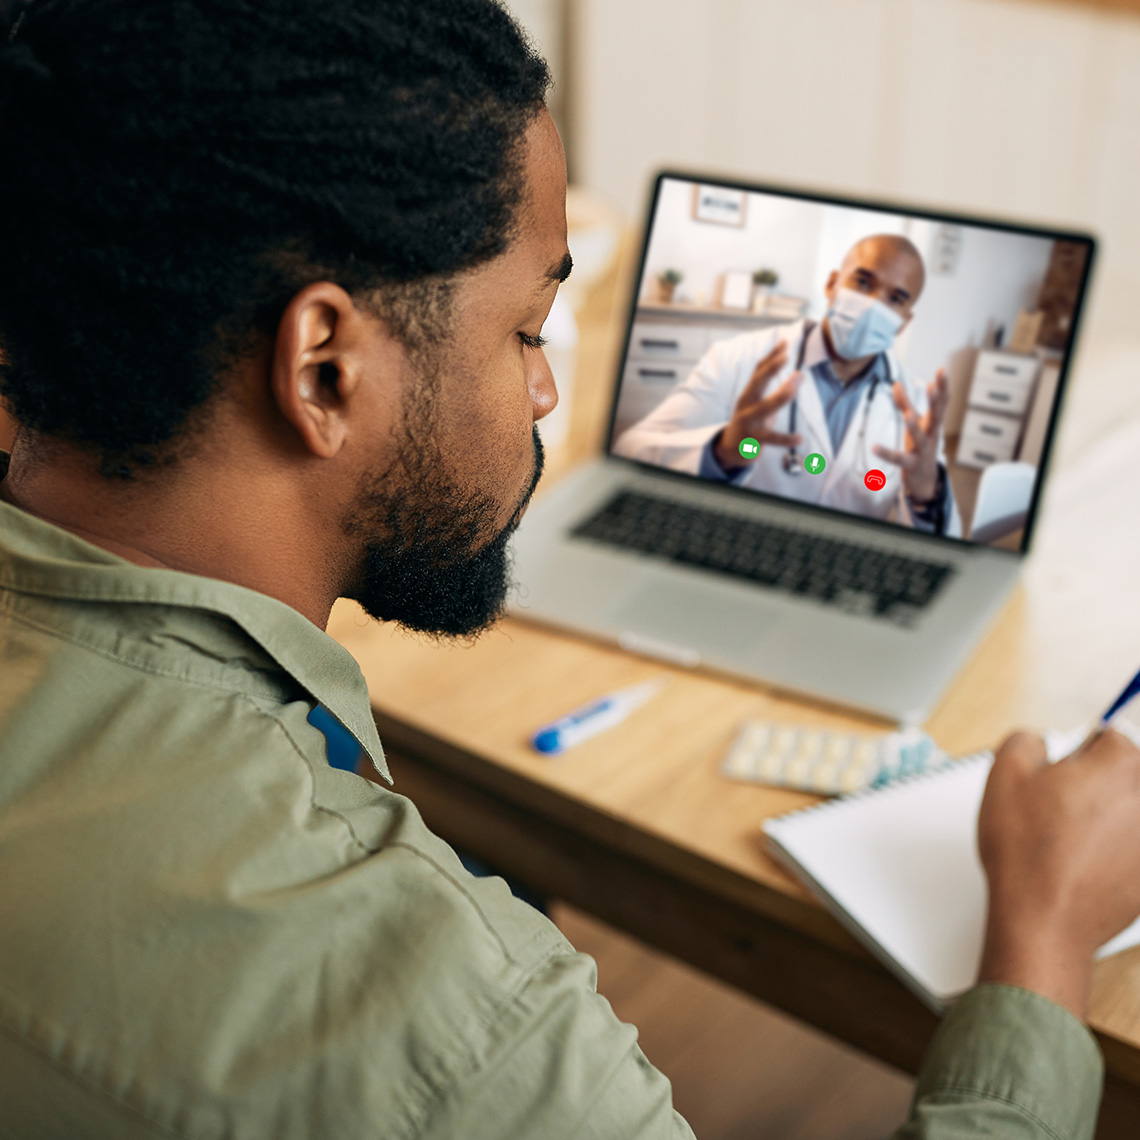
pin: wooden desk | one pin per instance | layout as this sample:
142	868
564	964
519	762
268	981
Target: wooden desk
639	828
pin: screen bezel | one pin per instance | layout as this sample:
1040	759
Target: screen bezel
886	207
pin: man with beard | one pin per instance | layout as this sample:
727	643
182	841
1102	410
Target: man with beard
273	281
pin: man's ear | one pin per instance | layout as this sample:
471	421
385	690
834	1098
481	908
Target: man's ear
832	281
317	366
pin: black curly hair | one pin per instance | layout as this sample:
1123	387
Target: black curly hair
172	172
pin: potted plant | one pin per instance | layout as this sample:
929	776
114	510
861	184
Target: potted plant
762	282
667	282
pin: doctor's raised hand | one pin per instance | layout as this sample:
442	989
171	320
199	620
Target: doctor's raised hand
918	459
755	410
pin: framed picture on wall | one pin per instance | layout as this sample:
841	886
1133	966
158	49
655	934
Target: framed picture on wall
719	205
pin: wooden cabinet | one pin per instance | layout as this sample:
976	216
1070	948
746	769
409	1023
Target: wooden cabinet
993	439
1040	413
1000	394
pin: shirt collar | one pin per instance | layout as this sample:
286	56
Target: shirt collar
815	351
816	356
41	559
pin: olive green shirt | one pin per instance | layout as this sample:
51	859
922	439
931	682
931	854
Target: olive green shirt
206	931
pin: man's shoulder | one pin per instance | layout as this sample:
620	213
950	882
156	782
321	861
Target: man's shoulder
289	940
263	1000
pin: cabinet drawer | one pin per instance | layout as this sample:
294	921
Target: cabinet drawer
644	384
1002	395
657	376
975	451
637	401
667	342
987	428
1008	366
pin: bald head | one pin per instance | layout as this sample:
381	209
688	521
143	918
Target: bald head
886	266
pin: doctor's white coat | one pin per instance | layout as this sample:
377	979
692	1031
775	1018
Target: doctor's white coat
675	433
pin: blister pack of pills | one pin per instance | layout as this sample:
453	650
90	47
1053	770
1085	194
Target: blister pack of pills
829	763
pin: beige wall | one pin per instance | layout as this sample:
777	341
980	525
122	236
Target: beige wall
545	21
1030	109
1024	109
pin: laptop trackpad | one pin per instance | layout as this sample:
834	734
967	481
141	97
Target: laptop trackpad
695	617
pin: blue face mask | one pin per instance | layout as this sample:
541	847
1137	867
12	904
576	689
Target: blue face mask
860	326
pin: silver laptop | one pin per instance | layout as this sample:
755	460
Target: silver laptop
828	438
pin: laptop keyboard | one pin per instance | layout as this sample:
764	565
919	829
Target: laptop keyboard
858	579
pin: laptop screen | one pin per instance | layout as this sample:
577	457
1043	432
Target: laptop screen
896	365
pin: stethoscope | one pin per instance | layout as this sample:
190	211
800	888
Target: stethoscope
792	463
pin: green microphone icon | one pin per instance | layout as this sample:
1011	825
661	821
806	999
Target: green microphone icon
814	463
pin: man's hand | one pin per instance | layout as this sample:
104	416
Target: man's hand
1061	847
919	457
753	412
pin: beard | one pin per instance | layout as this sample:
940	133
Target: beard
441	568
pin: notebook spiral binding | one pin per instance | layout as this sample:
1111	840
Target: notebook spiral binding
839	801
1058	746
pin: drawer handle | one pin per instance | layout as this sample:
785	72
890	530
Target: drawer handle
1006	369
656	374
984	455
1001	397
646	343
989	429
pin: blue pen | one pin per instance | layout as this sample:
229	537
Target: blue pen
1130	690
593	718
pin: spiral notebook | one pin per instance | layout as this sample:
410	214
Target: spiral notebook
898	866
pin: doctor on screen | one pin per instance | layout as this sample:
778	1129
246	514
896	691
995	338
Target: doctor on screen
833	389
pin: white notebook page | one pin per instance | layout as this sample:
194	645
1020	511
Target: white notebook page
899	867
